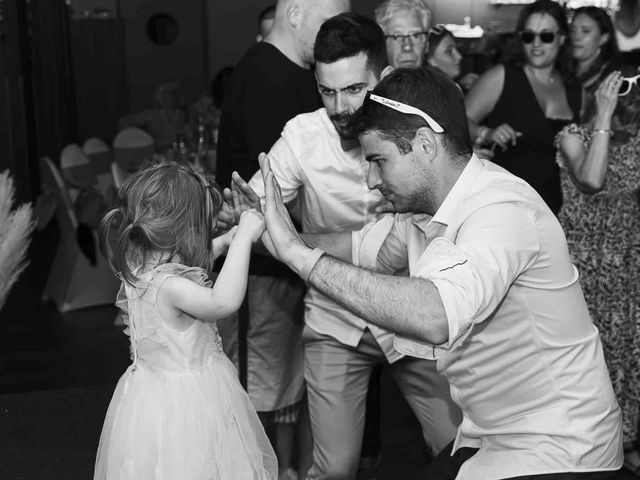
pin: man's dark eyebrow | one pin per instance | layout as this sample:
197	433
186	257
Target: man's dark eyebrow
359	84
372	157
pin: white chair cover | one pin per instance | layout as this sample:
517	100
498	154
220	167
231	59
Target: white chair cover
131	147
76	169
118	175
73	283
101	158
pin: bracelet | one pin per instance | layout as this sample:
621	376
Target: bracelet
603	131
310	262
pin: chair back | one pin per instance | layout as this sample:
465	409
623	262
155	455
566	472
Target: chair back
99	154
131	147
101	158
76	168
52	184
118	175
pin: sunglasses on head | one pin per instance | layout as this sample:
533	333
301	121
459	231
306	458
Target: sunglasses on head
627	85
408	109
528	36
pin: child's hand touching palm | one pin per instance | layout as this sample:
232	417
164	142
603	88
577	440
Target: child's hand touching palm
251	225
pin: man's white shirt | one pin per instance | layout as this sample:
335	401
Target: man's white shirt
310	164
523	359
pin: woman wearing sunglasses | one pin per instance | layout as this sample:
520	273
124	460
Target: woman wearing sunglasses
518	109
600	176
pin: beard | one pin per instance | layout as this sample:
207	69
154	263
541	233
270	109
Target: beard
340	121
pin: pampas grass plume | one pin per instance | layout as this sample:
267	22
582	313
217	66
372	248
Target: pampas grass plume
15	229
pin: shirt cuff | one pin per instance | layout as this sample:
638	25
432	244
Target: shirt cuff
310	262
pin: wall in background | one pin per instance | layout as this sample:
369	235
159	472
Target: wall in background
147	64
80	6
501	18
231	27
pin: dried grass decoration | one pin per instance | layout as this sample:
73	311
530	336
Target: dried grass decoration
15	228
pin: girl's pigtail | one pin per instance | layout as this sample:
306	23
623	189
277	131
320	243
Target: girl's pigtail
132	244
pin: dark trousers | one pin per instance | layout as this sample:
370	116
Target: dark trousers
446	467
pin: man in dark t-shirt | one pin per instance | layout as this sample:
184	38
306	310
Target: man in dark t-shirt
271	84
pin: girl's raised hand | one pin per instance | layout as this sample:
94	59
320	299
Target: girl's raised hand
251	224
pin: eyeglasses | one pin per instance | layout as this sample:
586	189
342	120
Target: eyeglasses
528	36
417	37
408	109
627	84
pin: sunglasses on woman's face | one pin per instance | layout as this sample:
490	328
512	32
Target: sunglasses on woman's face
627	85
528	36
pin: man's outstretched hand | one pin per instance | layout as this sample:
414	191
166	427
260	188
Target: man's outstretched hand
244	197
280	238
237	199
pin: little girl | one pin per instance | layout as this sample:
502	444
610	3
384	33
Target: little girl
179	412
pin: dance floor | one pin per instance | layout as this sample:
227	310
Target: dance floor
57	374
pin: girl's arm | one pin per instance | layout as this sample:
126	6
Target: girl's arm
220	244
589	168
210	304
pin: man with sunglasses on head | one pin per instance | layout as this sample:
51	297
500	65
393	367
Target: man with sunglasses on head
405	24
491	293
318	160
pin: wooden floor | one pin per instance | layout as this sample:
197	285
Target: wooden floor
57	374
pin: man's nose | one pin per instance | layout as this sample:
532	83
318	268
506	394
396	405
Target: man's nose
373	177
340	103
407	44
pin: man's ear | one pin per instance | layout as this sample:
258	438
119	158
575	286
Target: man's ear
387	70
425	141
294	14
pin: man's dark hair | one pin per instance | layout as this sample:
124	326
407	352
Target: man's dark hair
267	14
347	35
427	89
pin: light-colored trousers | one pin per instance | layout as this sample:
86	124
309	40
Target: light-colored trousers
337	378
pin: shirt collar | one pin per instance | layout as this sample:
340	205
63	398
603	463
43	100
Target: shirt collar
447	211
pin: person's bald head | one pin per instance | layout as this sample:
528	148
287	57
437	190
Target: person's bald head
300	20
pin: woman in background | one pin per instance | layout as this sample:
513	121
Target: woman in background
600	176
165	120
520	108
594	49
443	54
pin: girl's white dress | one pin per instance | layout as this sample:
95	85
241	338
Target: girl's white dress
178	412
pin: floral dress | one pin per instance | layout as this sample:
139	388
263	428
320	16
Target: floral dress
603	234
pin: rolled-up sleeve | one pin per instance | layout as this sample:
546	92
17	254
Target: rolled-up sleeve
380	245
472	275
